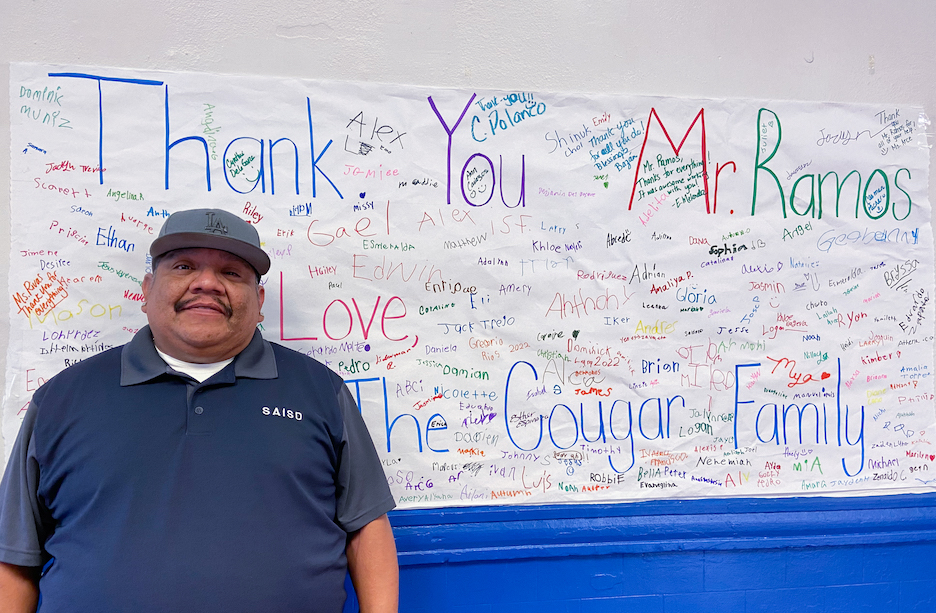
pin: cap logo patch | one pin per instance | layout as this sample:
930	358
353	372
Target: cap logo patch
215	225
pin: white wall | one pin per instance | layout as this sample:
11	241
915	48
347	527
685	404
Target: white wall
787	49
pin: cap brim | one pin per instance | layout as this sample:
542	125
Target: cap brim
194	240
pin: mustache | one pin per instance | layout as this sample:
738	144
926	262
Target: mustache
182	304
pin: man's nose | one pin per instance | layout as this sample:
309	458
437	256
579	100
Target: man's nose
207	280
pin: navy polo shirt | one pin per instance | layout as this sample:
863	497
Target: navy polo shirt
143	490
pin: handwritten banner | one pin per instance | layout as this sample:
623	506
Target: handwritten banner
536	297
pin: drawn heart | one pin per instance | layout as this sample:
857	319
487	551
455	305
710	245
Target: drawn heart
606	185
932	457
362	194
826	375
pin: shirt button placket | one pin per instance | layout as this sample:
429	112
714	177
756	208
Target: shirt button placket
198	422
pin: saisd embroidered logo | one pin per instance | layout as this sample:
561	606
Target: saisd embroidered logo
282	412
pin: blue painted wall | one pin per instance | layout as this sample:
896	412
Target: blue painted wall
875	554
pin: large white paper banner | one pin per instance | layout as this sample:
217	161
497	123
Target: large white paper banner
536	297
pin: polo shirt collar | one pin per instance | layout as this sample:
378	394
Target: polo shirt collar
140	363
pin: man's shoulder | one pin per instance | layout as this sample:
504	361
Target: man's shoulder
93	364
98	369
303	360
300	372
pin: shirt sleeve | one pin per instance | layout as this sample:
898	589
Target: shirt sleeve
363	493
21	528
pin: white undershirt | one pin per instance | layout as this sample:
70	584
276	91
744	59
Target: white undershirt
199	372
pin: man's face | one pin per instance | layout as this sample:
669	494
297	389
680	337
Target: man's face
203	305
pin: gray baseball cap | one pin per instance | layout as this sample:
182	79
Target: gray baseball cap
211	229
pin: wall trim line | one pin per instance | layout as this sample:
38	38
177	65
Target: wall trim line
467	534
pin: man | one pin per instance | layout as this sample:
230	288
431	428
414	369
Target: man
198	467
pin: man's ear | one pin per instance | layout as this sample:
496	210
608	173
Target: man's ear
147	284
261	294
